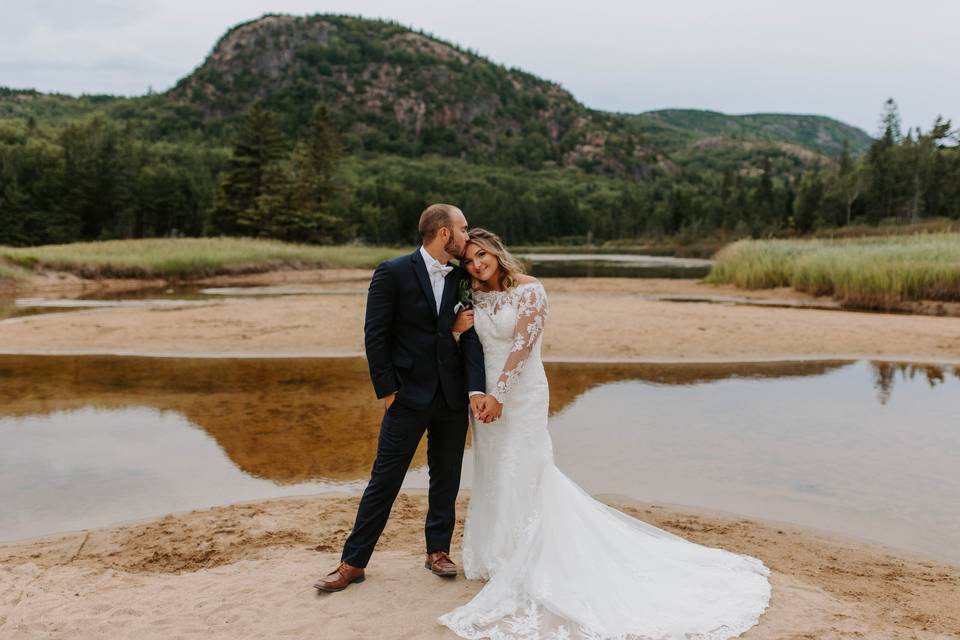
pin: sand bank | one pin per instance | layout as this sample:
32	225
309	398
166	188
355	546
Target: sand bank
605	319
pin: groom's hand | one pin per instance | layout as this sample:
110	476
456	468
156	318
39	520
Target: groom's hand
388	400
476	405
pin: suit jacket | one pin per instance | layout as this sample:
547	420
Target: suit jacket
410	348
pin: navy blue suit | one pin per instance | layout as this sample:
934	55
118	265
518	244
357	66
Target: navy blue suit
411	351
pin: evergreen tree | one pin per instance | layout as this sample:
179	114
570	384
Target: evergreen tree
885	183
890	130
313	168
809	200
259	145
269	217
850	180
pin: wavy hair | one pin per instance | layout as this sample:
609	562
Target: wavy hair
510	267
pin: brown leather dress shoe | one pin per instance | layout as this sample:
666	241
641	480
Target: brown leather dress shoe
340	578
440	564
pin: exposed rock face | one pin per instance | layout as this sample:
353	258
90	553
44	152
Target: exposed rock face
386	80
403	92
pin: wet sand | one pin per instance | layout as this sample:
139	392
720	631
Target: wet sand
246	570
590	319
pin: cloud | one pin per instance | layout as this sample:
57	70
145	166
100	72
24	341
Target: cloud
841	59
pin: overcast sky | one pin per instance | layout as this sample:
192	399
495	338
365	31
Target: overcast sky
840	58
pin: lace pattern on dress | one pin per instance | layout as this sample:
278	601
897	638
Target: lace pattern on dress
531	302
559	564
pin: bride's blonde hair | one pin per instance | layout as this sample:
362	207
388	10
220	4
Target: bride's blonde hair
510	267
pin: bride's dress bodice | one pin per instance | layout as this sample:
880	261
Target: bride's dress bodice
509	324
560	564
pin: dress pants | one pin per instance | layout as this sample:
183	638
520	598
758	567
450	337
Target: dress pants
400	432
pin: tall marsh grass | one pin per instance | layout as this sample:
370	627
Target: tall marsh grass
190	257
873	272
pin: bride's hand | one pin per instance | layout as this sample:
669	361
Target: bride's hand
464	321
490	409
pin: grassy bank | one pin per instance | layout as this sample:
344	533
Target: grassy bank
9	272
874	272
188	257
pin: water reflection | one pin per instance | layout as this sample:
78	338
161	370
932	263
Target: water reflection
885	375
825	451
282	419
855	447
286	420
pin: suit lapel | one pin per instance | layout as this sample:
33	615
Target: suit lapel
421	270
449	289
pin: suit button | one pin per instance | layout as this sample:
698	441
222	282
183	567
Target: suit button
439	334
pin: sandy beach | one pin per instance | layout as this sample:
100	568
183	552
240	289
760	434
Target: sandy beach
246	570
590	319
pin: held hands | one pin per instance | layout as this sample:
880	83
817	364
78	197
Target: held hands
388	400
485	408
476	403
463	322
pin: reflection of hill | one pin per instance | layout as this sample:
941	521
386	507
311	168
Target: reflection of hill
569	380
289	420
286	420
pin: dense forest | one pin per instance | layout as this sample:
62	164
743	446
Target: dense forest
370	122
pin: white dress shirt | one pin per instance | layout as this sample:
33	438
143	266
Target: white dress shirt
437	272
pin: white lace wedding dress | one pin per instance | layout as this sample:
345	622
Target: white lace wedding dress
559	564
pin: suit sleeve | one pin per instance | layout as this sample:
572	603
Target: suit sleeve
472	352
377	326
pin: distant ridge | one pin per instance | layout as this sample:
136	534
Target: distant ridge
408	92
402	92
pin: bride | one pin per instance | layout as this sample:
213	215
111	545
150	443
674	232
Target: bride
559	564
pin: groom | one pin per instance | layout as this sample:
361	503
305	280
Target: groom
423	374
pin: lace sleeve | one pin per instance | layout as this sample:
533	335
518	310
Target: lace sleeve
531	316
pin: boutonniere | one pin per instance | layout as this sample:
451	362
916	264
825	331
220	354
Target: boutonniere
465	295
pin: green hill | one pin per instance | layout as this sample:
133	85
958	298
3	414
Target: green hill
420	120
398	91
816	133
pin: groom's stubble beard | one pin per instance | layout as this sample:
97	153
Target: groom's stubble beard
451	248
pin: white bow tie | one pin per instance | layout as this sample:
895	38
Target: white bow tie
442	269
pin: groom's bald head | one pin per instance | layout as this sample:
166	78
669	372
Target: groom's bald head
436	217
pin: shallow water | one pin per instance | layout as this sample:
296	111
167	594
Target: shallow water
179	296
581	265
864	449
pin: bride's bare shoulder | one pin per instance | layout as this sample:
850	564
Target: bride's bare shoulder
526	279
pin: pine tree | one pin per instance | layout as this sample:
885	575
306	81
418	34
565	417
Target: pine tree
849	180
809	199
313	182
890	130
269	215
765	201
93	176
260	144
883	167
13	207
